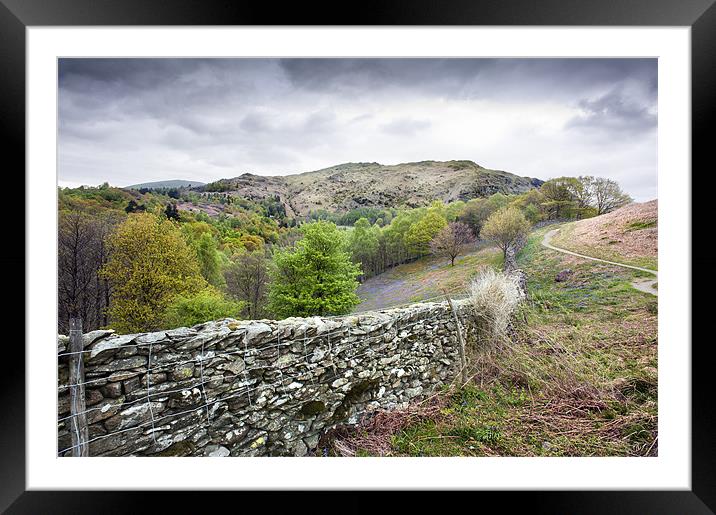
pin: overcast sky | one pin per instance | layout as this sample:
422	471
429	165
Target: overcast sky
127	121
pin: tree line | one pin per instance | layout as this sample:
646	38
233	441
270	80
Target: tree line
134	262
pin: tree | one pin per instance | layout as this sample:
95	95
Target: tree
200	237
363	245
506	228
149	265
452	240
316	277
560	200
247	281
133	207
171	211
608	196
477	211
203	306
82	292
421	233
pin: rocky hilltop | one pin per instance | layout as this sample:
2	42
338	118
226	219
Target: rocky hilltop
353	185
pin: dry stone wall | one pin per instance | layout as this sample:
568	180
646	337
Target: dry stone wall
253	388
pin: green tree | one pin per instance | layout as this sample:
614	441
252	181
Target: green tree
506	228
363	245
316	277
149	264
200	237
203	306
422	233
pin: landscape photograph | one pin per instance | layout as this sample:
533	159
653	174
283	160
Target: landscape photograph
357	257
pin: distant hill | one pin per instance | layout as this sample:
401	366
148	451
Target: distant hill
177	183
349	186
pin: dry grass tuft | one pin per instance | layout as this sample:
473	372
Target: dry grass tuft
494	297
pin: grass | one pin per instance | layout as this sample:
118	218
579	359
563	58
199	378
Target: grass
424	279
565	239
577	377
641	224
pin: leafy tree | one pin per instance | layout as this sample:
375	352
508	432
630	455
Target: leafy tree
191	309
247	280
200	237
560	200
171	211
607	195
149	264
133	207
421	233
506	228
316	277
452	240
477	211
363	245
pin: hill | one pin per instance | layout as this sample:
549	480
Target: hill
350	186
176	183
627	235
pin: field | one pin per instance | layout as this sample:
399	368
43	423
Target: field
627	235
578	376
424	279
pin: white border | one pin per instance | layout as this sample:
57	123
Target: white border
670	470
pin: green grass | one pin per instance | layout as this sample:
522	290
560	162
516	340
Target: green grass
424	279
578	377
641	224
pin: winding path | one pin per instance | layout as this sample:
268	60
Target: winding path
642	284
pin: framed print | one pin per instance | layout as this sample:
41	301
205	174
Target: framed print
411	250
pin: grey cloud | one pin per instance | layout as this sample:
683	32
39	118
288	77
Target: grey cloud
615	114
131	120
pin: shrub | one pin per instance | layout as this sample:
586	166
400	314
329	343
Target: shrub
494	297
208	304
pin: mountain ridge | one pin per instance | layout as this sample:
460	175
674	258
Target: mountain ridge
348	186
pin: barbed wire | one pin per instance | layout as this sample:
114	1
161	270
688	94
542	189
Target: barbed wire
300	360
163	367
208	404
172	341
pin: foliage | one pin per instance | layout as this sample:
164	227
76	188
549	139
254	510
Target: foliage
363	244
316	277
149	264
420	234
200	237
247	279
506	228
452	240
203	306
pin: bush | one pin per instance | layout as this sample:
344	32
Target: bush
208	304
494	297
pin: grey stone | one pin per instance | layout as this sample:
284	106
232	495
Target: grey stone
563	275
112	390
216	451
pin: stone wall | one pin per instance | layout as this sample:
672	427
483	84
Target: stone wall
251	388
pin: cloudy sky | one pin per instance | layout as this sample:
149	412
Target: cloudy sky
127	121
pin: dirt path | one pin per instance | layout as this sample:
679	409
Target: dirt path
642	284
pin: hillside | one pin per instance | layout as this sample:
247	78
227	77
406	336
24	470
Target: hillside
176	183
350	186
627	235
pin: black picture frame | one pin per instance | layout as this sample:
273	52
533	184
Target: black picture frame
700	15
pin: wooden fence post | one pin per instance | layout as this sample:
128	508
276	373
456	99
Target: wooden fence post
463	359
78	420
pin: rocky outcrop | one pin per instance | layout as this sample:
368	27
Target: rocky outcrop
251	388
354	185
